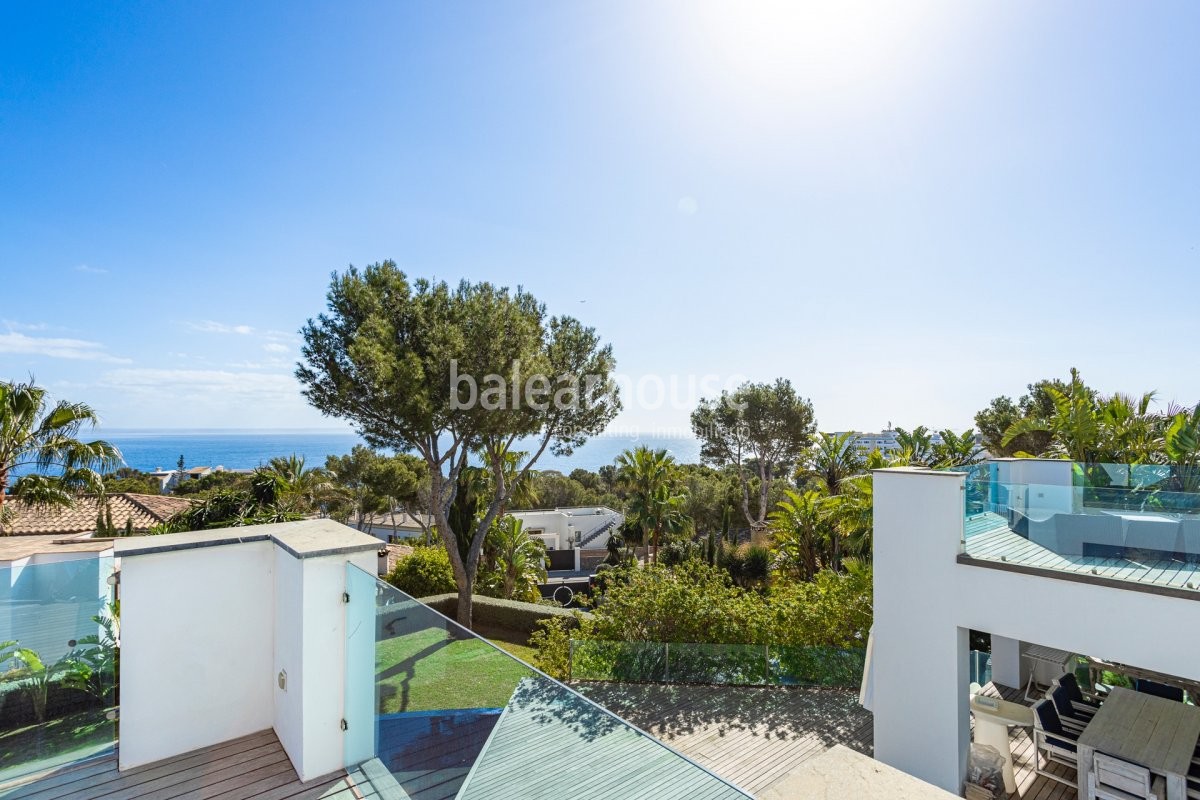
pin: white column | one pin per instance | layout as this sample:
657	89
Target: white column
920	655
311	618
1007	667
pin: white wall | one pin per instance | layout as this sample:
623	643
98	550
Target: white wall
287	655
208	628
925	602
919	652
196	640
324	661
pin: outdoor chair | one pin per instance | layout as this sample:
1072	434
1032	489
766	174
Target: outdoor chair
1051	738
1159	689
1071	719
1115	779
1080	702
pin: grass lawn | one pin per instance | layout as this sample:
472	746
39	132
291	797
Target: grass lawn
429	671
512	642
82	733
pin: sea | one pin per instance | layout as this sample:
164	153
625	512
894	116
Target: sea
148	450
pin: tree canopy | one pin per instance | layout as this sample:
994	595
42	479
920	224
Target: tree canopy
762	429
445	373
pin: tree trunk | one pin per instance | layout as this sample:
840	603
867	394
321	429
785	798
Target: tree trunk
465	601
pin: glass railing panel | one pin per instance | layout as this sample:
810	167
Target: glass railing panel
632	662
435	712
58	665
817	666
1138	532
980	667
728	664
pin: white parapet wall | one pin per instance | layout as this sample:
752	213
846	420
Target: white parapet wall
232	632
926	602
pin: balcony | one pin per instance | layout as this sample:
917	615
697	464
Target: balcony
1128	526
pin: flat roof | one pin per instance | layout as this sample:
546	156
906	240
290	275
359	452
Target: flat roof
308	538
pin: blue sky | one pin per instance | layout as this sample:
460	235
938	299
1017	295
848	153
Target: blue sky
906	209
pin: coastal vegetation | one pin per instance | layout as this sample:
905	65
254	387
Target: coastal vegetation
44	439
403	361
1071	420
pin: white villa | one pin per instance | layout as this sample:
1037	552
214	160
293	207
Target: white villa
583	527
1076	580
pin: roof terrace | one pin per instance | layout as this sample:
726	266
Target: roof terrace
1135	527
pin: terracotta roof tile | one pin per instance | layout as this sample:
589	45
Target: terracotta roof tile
146	511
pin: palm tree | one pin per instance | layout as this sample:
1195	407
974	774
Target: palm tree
917	445
800	529
35	436
1130	432
1181	444
521	561
833	459
957	449
1075	426
647	477
853	511
298	488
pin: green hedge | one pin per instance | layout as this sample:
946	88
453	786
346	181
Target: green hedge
510	614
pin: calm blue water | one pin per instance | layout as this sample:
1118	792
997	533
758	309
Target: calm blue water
151	449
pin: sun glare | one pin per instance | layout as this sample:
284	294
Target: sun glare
766	46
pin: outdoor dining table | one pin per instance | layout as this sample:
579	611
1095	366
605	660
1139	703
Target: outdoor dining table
1151	731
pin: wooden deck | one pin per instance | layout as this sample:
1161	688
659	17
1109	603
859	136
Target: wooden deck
754	736
751	736
989	539
251	767
1030	785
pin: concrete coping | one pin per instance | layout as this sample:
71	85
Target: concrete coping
311	538
916	471
842	772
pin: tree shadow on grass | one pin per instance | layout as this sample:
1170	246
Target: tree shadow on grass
407	668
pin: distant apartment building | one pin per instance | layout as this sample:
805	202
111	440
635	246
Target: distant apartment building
886	441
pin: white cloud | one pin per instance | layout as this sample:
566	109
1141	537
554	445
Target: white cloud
76	349
13	325
209	326
275	347
270	363
91	270
208	385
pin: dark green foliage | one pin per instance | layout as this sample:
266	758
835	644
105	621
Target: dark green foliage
762	430
748	565
129	480
212	483
677	552
425	572
511	615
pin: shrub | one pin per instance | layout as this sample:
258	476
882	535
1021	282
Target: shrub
425	572
832	610
747	564
552	640
692	602
511	615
